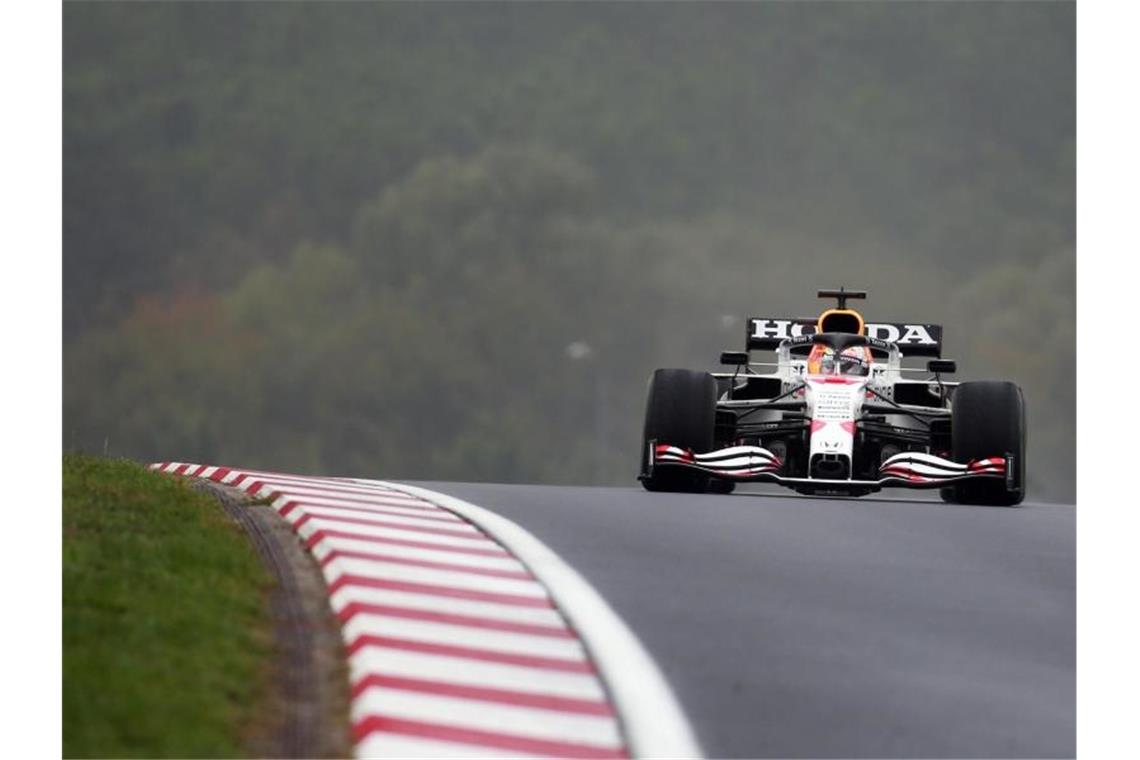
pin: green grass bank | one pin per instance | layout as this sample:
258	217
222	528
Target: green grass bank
166	633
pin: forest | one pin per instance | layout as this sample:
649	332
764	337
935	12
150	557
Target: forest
452	240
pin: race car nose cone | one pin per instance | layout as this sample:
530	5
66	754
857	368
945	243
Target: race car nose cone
830	466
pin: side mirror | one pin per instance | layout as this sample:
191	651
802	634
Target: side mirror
942	366
734	358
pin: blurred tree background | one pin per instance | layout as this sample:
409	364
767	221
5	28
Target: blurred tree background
453	240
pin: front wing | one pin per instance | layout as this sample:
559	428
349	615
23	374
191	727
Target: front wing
907	469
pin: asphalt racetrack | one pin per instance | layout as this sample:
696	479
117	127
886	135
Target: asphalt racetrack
792	626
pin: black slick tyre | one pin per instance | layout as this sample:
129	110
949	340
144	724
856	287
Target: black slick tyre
989	421
716	485
680	411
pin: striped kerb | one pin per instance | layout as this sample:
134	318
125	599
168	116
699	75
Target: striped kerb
454	648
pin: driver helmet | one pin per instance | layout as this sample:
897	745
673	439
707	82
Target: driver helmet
853	360
821	360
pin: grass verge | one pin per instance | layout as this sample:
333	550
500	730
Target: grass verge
166	633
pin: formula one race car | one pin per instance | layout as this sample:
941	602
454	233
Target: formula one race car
839	415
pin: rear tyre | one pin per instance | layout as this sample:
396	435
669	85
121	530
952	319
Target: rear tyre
680	411
989	421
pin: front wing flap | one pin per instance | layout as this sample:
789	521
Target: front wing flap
908	469
736	462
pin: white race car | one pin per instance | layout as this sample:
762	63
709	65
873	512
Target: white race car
837	415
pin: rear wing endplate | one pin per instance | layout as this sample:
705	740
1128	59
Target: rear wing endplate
912	338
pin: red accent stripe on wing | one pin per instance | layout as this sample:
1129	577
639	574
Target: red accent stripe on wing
902	472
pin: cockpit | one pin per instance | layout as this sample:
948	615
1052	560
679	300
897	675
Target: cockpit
852	361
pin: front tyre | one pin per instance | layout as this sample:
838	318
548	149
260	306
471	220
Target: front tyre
680	411
989	421
720	486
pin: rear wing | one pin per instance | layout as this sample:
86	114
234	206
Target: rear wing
913	339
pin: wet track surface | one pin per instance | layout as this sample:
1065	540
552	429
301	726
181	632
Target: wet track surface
791	626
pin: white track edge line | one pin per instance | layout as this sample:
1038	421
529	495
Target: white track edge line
653	721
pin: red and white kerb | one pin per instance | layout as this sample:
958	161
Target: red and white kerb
455	649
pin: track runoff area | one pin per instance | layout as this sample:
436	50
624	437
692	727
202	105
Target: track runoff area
465	635
779	625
